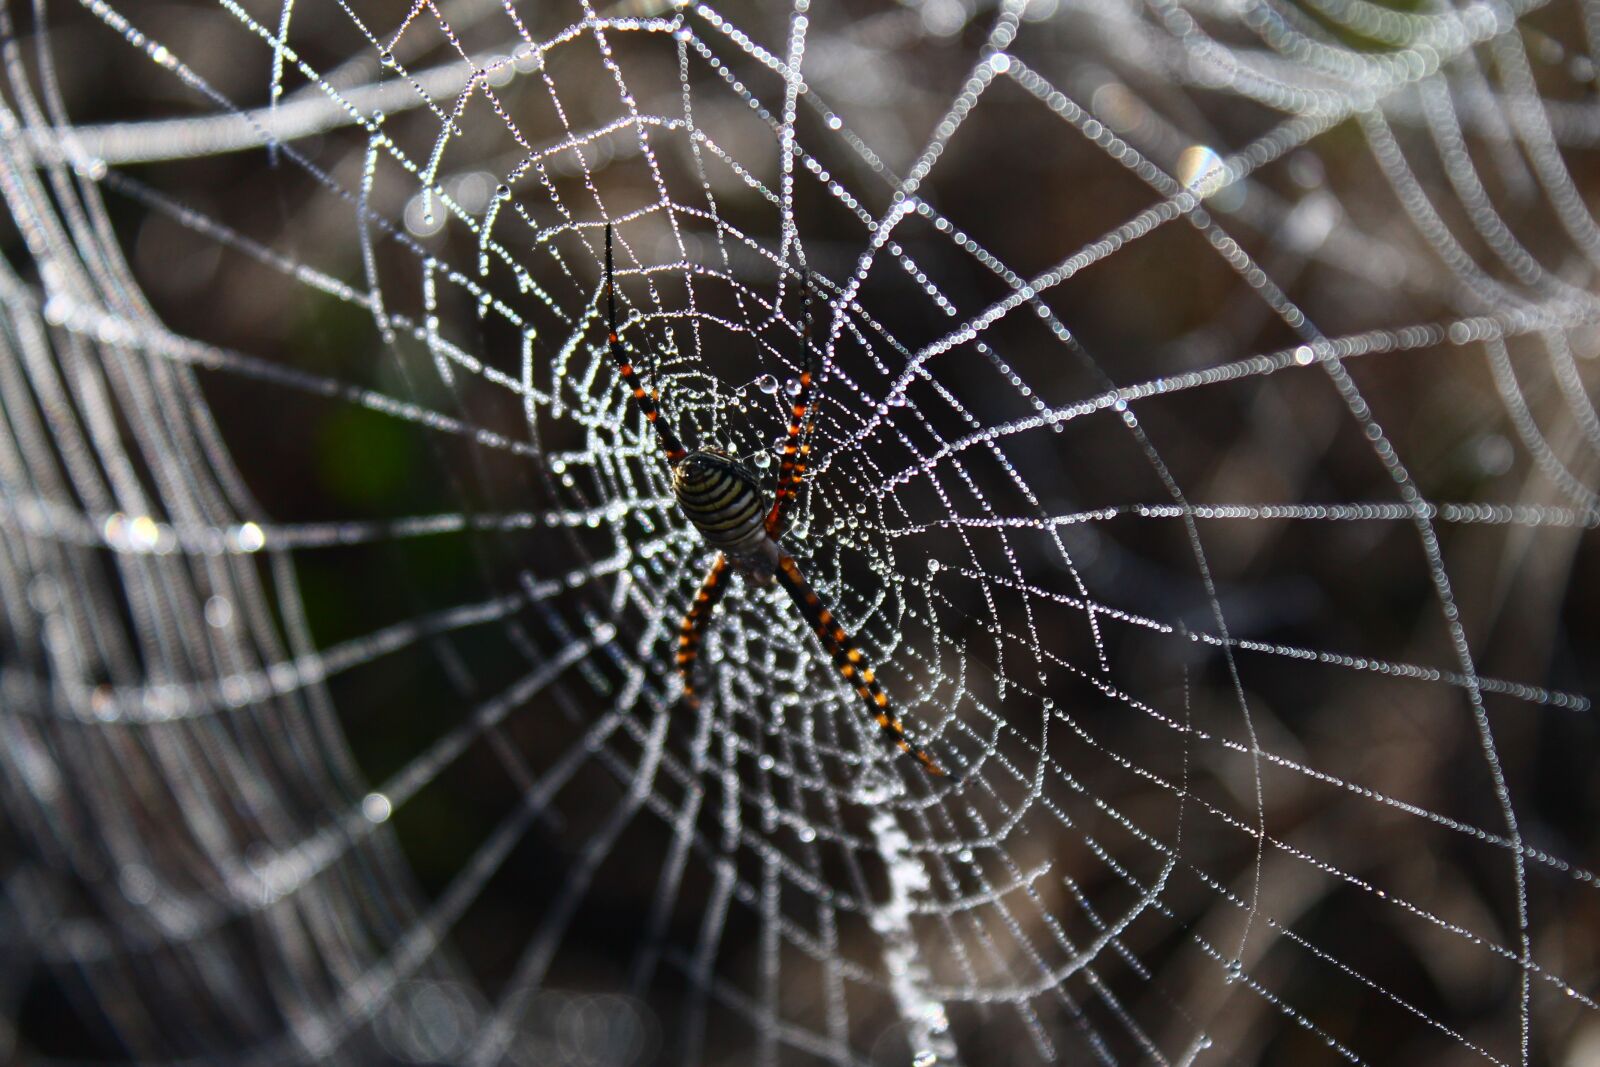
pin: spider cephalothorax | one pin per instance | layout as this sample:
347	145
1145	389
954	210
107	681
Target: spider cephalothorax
725	501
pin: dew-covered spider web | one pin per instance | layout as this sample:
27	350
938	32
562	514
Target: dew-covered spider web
1205	461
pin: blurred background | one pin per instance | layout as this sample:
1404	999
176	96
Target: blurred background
1205	460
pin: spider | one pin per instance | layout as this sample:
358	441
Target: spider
723	499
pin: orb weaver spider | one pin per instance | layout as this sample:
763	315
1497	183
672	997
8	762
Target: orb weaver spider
723	499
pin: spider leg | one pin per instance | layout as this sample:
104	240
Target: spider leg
648	401
848	659
693	628
797	449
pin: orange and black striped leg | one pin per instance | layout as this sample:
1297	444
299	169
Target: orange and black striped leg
693	629
797	448
647	400
848	659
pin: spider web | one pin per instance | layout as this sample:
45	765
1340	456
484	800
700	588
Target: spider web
1205	461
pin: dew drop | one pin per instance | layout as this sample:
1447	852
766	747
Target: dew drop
219	612
250	537
376	807
792	386
762	460
767	384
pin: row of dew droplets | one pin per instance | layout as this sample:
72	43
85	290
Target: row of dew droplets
927	1024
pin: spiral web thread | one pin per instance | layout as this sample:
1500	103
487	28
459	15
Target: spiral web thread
1126	872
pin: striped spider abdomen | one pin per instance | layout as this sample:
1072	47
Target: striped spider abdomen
725	502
